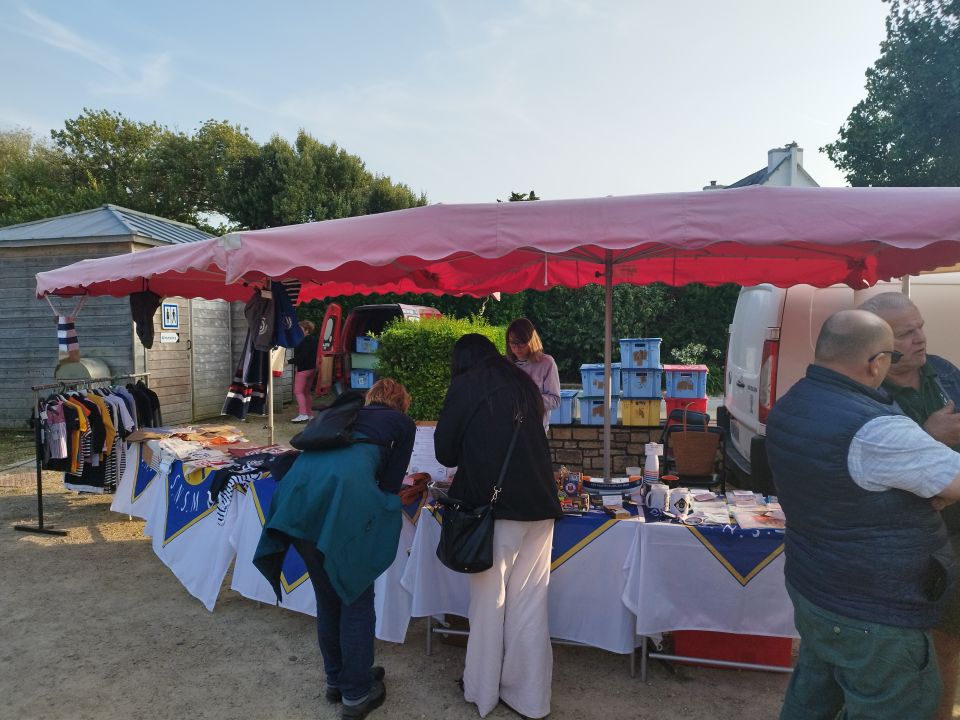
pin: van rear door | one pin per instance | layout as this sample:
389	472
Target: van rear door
756	320
329	348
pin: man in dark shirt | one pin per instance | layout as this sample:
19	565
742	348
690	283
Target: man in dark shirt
927	389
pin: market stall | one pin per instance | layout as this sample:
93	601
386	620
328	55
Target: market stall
785	236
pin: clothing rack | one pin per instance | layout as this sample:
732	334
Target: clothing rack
63	385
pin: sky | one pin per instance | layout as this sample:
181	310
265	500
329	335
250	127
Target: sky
466	101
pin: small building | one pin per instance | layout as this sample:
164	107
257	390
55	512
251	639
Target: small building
784	169
194	352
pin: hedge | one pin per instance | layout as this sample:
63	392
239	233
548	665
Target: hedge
418	355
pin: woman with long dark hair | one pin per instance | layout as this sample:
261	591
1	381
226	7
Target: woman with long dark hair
509	657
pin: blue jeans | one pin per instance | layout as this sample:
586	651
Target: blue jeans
859	668
345	632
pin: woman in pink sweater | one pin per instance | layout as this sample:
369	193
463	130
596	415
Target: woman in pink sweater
525	350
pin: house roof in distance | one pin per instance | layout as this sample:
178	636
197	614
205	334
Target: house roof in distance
105	223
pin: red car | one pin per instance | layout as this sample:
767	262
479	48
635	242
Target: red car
336	354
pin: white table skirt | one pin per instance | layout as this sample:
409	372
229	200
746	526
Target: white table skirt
675	583
585	590
631	579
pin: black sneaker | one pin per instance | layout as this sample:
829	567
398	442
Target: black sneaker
375	698
333	695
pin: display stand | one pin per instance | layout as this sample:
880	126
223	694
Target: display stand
64	386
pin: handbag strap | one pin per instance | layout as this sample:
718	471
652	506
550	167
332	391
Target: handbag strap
686	409
517	421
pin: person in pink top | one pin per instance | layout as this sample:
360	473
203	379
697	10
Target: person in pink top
525	350
305	363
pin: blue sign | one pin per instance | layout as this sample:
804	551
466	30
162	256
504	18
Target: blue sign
170	319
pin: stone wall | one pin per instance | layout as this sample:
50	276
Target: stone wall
580	447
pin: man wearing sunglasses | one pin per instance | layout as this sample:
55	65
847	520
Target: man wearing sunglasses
927	389
868	561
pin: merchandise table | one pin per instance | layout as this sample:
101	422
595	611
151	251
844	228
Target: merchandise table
715	578
612	581
587	580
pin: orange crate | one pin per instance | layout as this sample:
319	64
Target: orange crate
754	649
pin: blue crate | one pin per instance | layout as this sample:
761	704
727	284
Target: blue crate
591	410
563	415
592	376
367	344
686	381
641	382
362	379
640	352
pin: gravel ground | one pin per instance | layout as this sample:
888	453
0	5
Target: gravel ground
94	626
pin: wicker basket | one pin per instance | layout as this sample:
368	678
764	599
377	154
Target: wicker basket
694	451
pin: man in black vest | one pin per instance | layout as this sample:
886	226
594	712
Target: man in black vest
868	562
927	389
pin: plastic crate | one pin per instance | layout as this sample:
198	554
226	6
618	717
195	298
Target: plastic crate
640	352
645	413
754	649
640	382
686	381
364	361
591	410
691	404
592	376
367	344
362	379
563	415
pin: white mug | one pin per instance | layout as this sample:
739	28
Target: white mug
681	502
657	497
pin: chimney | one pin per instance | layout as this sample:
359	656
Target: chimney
777	155
714	186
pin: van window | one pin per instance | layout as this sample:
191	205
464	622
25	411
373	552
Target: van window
327	341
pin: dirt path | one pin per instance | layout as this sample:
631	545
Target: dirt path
94	626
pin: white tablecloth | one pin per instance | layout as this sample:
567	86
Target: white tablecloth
585	586
624	579
675	582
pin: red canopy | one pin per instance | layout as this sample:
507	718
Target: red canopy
785	236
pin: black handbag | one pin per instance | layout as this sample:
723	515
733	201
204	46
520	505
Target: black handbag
466	532
333	427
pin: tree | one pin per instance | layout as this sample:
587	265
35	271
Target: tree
31	175
103	157
906	132
520	197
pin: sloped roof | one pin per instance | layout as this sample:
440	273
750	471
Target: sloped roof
759	177
102	223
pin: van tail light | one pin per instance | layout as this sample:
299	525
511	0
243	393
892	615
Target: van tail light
767	392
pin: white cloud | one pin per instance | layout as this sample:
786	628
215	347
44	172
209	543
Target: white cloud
150	77
63	38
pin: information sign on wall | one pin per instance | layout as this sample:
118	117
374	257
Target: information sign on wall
170	320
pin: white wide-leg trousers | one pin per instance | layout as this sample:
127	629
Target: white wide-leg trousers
508	652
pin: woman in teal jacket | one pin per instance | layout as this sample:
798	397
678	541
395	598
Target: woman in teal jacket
339	509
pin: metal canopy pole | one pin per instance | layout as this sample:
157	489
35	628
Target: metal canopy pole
607	358
270	395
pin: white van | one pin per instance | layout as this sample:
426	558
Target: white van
772	339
